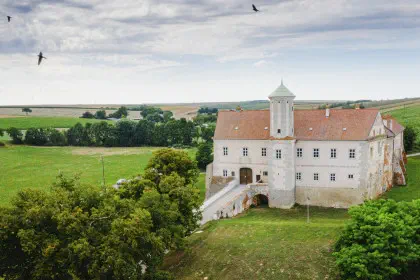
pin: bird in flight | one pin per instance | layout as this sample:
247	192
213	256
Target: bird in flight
40	57
255	8
9	18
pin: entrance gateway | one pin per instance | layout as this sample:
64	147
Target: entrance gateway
245	176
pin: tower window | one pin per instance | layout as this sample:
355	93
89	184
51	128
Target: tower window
225	151
332	177
278	154
299	176
245	152
299	152
279	130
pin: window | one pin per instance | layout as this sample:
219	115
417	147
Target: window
333	153
233	173
245	152
332	177
380	148
316	176
265	173
371	152
351	176
225	172
278	154
225	151
263	152
299	176
299	152
352	153
279	130
316	153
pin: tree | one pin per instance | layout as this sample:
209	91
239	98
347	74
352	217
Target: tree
26	110
125	132
167	115
36	136
155	117
166	161
1	132
88	115
204	155
381	241
122	112
15	134
410	136
75	135
100	115
207	132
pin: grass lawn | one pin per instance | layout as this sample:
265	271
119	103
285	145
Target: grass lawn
412	190
263	243
37	167
42	122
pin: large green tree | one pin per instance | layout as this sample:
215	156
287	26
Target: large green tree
15	134
26	110
410	136
204	154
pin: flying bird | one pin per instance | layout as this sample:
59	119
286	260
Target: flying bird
40	57
9	18
255	8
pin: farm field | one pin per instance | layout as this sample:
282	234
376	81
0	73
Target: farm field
42	122
37	167
266	243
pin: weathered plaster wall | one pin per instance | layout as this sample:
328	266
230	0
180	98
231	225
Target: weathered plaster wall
329	197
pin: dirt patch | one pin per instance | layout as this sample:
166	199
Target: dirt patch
90	151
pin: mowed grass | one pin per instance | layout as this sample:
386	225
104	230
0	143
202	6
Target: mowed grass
263	243
37	167
412	190
42	122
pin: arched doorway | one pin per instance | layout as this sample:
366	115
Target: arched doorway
245	176
260	200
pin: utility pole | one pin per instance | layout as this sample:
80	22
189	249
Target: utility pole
103	171
307	209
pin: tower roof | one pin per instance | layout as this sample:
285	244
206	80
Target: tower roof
281	91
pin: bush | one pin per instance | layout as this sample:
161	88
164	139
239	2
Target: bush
410	136
2	144
204	155
15	134
381	241
100	115
88	115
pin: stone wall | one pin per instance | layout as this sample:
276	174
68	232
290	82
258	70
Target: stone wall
330	197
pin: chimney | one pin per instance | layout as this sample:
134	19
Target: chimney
357	106
327	111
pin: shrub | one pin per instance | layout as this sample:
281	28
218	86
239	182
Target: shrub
2	144
381	241
100	115
88	115
410	136
15	134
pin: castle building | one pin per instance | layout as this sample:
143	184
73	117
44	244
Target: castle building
331	157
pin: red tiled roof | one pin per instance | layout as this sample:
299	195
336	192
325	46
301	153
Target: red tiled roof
251	124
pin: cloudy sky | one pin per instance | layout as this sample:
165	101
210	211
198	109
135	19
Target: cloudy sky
136	51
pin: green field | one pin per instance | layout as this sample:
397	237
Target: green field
263	243
37	167
42	122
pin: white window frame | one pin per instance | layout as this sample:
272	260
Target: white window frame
245	151
278	154
350	176
225	173
317	152
233	173
299	152
265	173
263	152
225	151
298	176
316	176
352	153
333	177
333	153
